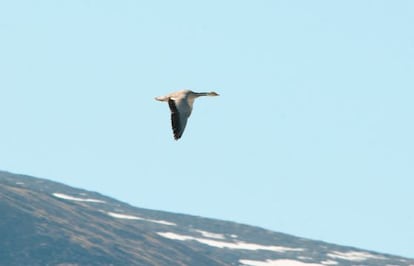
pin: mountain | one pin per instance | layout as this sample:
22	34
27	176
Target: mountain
48	223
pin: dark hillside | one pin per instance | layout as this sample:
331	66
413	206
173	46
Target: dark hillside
47	223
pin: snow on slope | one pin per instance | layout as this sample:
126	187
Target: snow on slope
132	217
223	244
354	256
221	241
211	235
112	214
67	197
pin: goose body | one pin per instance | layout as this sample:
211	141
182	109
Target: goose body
181	105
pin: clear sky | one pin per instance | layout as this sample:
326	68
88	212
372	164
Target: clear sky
312	134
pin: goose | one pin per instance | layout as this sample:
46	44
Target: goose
181	104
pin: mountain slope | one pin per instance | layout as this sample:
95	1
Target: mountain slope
47	223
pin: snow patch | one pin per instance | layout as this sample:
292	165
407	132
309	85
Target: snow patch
132	217
230	245
211	235
354	256
67	197
124	216
277	263
329	262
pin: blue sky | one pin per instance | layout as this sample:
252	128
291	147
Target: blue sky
312	134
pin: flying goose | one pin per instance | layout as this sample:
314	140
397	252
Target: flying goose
181	105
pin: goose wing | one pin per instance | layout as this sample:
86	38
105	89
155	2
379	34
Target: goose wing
179	115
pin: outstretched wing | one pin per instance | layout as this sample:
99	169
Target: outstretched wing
178	119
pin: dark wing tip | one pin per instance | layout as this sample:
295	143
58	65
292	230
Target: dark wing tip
175	119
